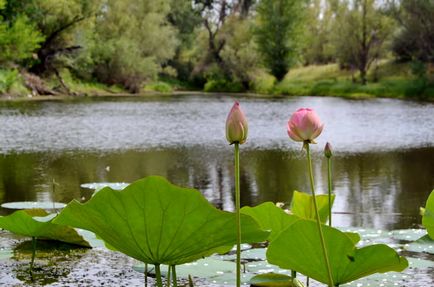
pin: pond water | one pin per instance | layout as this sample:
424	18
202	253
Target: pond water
383	165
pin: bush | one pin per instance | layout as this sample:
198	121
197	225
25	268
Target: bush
7	79
223	86
161	87
262	83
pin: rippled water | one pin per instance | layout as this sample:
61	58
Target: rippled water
383	167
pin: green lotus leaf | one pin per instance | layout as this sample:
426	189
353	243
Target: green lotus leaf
275	280
270	217
38	223
157	222
302	205
298	248
428	215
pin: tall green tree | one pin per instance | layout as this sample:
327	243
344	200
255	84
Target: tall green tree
317	39
129	42
362	28
415	39
278	33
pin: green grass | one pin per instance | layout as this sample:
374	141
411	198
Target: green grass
393	81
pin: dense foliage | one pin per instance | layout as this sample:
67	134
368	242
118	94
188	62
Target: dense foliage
215	45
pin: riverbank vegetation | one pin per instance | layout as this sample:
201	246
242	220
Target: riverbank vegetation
352	48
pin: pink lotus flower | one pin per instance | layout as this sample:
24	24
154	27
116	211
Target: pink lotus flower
236	125
304	126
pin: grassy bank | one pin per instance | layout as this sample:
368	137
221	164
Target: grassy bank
387	80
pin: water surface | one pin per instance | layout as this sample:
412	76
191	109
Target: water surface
383	164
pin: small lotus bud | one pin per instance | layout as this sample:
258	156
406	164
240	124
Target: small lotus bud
304	126
328	150
236	125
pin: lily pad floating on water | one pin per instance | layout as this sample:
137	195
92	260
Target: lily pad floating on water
33	205
275	280
424	244
100	185
37	223
156	222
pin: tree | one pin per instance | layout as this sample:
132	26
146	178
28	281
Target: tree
362	29
18	38
317	41
278	33
129	42
415	39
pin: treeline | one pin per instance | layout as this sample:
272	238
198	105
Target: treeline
216	45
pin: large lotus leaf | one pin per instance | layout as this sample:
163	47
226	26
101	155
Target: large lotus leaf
428	216
270	217
302	205
156	222
38	223
299	248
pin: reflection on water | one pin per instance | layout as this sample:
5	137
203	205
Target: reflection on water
378	190
384	163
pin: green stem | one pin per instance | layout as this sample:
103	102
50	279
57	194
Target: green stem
237	211
307	281
158	275
146	274
293	274
329	180
175	283
318	220
168	276
33	255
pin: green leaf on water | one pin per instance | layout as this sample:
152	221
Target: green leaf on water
298	248
302	205
270	217
157	222
424	244
274	280
428	215
38	223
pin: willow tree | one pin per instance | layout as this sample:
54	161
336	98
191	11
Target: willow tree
278	30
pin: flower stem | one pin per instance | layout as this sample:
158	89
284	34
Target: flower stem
318	220
146	274
33	256
329	180
175	283
169	268
237	211
158	275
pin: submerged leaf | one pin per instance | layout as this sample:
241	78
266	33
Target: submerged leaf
270	217
302	205
299	248
428	216
157	222
38	223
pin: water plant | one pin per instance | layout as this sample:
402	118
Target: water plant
428	215
236	134
158	223
328	154
38	224
297	246
305	126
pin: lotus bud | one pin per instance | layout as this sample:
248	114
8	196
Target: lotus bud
304	126
236	125
328	150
